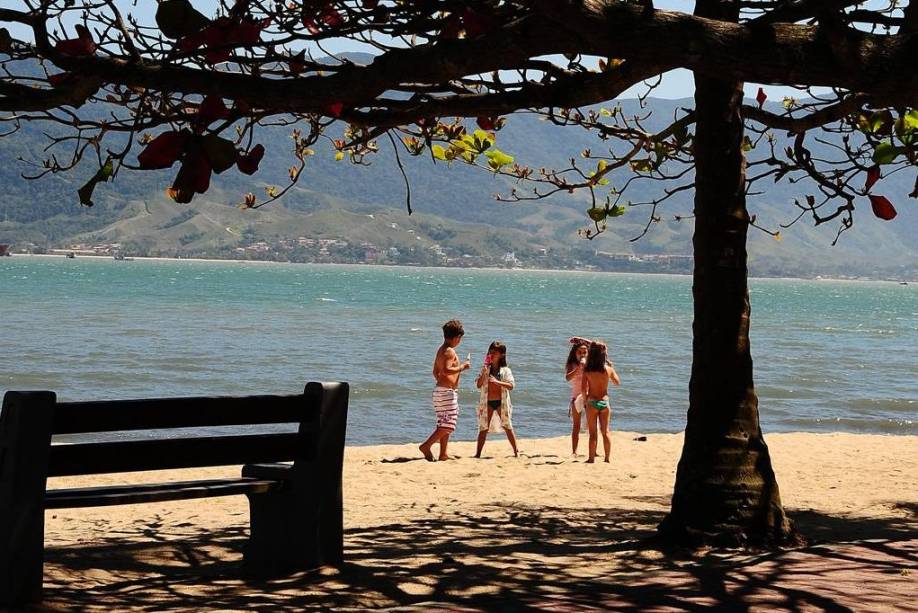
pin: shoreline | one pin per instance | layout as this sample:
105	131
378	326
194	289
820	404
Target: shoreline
499	437
818	278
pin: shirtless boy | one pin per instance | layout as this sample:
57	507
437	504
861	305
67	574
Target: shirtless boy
446	372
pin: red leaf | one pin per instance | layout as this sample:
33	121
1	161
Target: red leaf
194	175
224	34
218	33
248	32
216	56
242	107
331	17
297	63
882	207
248	163
486	123
211	110
475	23
452	25
163	151
873	175
182	196
60	79
761	97
310	23
334	109
81	46
191	42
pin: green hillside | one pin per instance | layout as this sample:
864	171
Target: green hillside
456	219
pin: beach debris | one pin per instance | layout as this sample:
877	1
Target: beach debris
640	438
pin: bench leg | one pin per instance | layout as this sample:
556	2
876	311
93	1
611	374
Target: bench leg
25	438
284	535
302	526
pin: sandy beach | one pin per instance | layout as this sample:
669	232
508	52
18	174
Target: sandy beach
542	531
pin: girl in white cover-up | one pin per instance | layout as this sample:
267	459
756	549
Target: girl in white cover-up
495	382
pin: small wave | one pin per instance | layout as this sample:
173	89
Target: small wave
415	329
327	300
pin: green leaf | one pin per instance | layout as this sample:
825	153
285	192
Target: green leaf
910	120
482	141
747	144
879	120
596	213
102	175
907	126
885	153
497	159
439	153
641	166
617	211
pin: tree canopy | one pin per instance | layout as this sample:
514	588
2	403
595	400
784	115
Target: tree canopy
192	88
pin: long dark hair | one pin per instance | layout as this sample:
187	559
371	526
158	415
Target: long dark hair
597	357
499	346
572	356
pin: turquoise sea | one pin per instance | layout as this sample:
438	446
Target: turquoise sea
829	355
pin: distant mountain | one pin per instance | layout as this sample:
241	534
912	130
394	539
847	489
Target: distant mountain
455	212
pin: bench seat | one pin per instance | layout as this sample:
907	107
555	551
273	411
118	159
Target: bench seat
78	497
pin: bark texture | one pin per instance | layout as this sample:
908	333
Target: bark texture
725	491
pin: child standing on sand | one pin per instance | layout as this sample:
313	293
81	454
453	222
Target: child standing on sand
596	376
495	382
446	372
576	360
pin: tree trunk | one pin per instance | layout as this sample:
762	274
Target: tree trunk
725	491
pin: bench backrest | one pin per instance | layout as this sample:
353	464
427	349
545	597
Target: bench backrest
304	410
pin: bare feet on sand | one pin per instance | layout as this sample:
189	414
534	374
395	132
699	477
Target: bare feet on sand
426	451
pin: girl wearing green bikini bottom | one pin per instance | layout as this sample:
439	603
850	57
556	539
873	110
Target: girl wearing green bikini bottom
596	376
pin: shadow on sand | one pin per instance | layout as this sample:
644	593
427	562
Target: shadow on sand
530	558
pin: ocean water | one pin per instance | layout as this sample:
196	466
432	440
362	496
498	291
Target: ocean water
829	355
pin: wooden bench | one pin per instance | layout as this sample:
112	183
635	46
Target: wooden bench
295	508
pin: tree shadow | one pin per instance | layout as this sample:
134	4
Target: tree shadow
495	555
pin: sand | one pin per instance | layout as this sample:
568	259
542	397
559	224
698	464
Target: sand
542	531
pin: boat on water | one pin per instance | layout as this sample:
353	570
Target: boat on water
120	258
71	255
